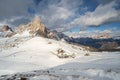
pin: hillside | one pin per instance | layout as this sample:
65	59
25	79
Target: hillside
37	58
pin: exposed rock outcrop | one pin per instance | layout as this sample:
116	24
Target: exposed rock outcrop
5	28
35	28
6	31
52	35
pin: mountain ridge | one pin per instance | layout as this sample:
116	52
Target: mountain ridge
35	28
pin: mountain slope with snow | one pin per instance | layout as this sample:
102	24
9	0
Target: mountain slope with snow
37	52
37	55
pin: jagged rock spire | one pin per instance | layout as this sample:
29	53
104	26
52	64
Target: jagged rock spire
35	28
36	20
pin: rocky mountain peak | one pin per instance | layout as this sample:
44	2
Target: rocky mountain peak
5	28
37	21
34	28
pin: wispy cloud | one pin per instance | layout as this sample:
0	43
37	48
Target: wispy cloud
9	9
103	14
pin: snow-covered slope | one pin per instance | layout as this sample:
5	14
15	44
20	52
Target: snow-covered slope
19	54
39	58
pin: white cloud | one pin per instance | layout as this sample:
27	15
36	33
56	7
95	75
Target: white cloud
13	8
58	14
102	14
62	13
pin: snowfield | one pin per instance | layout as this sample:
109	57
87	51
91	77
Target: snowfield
38	58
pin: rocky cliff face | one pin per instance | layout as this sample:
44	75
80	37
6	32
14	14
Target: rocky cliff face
35	28
5	28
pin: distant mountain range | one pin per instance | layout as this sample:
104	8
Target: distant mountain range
107	44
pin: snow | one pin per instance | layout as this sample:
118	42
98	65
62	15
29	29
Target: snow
40	55
35	52
24	34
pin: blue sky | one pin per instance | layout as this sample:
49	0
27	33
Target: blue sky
63	15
